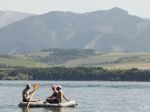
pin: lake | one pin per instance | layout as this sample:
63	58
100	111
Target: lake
91	96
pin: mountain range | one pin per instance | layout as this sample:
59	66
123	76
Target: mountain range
9	17
113	30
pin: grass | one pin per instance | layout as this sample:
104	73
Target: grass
142	66
32	55
18	62
139	60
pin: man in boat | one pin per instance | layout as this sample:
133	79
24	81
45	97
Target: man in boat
53	97
26	94
60	94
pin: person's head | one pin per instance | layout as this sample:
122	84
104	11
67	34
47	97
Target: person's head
59	87
28	86
53	87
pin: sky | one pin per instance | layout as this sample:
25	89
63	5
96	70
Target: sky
139	8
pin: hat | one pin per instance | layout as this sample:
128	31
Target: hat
59	86
29	85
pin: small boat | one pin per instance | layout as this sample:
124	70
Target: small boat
42	104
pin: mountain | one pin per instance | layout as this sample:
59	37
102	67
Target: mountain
104	31
9	17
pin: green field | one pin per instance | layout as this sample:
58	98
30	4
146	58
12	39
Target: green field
139	60
18	62
32	55
56	56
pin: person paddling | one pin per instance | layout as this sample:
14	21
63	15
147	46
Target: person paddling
26	94
61	94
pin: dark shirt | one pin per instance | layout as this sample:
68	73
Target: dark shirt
55	94
24	95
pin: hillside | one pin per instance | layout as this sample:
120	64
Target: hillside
9	61
139	60
9	17
77	58
105	31
56	56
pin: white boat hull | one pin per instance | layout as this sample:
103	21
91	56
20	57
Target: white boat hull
41	104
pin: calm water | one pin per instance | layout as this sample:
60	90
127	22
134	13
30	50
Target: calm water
90	96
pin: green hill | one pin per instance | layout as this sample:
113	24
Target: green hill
75	58
56	56
18	62
139	60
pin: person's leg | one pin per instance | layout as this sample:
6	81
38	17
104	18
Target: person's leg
55	101
48	100
24	100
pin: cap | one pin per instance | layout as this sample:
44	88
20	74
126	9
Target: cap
59	86
29	85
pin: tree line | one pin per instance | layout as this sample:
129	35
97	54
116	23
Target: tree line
78	73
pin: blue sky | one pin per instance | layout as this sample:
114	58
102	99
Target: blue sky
136	7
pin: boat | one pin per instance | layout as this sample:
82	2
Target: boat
70	103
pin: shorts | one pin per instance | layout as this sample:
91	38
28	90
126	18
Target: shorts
52	100
25	100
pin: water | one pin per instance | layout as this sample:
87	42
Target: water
90	96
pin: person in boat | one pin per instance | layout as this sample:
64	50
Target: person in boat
26	94
60	95
53	98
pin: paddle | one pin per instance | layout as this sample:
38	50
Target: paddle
35	87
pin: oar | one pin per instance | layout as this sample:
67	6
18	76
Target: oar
35	87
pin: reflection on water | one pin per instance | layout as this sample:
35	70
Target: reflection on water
26	109
52	109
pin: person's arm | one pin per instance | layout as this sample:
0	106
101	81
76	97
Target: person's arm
26	95
65	98
59	97
50	97
31	92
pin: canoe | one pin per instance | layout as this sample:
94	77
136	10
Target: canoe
41	104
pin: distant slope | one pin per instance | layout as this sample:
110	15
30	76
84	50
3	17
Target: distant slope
77	58
18	62
44	58
143	39
9	17
56	56
104	31
87	58
139	60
